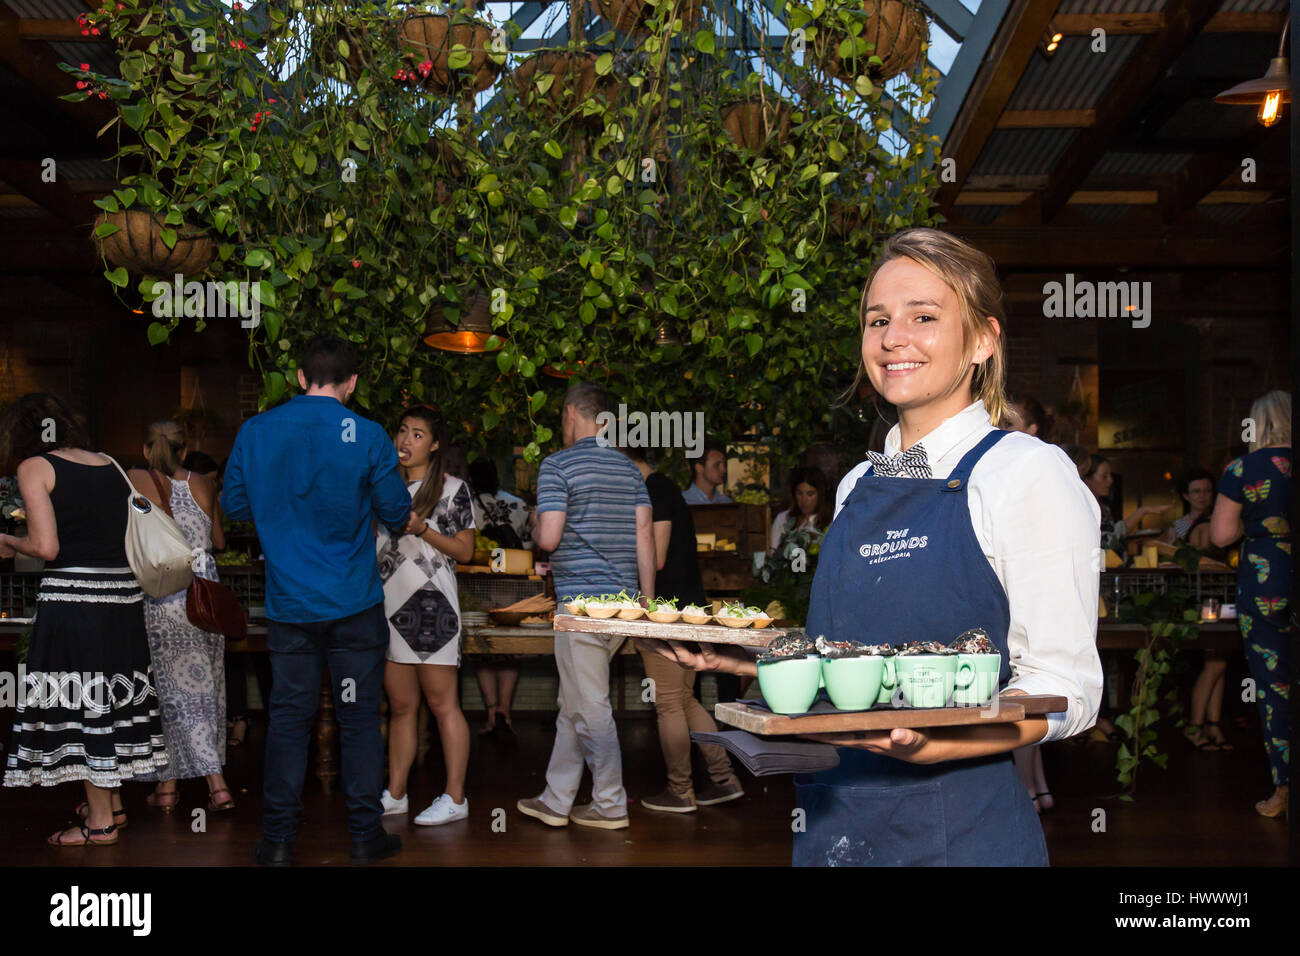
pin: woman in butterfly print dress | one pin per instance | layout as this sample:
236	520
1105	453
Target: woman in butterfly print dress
1254	500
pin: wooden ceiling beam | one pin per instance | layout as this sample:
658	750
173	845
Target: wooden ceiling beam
1154	56
1074	249
1204	172
1046	119
1121	24
1008	54
63	31
57	197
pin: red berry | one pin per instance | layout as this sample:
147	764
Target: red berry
271	100
356	263
85	33
81	84
94	31
85	67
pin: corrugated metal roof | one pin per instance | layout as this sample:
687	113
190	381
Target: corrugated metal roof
985	215
1013	152
86	169
102	57
1141	164
1075	78
1253	6
1225	214
47	9
1205	119
1111	6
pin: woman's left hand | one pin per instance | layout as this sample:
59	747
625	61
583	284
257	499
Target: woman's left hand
415	525
6	549
903	743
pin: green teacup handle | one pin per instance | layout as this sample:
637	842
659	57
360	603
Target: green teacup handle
888	677
967	668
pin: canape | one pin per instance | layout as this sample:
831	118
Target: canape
694	614
663	611
735	615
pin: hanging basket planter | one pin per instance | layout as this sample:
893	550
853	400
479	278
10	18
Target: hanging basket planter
896	31
752	124
428	39
573	81
631	16
138	245
447	154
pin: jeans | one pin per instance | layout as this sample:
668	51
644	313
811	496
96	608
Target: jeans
355	648
585	734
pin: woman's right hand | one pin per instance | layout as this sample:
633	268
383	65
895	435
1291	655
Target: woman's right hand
6	548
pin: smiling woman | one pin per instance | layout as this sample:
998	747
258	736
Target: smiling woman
1000	534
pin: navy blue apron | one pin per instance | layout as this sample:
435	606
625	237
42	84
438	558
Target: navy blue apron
901	563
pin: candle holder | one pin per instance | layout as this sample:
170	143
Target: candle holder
1210	609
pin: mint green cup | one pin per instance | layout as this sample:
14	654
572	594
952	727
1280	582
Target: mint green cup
888	681
927	680
853	683
790	686
977	679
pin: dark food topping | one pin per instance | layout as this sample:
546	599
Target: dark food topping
790	645
924	647
779	658
878	650
974	641
839	649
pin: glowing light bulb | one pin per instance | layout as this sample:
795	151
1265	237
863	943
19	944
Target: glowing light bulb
1270	111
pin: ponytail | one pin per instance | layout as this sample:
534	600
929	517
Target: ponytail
164	440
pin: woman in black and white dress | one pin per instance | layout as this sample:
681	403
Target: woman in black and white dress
418	569
89	711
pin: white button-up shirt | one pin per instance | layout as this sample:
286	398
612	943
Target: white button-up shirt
1037	523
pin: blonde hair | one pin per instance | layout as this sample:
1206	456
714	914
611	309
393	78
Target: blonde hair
1272	415
165	439
973	278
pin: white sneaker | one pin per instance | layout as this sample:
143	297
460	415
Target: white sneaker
392	806
443	810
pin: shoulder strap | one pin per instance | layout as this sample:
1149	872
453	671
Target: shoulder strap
130	487
961	473
162	495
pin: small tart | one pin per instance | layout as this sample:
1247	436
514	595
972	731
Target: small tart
664	617
696	618
735	621
601	612
631	613
575	608
762	621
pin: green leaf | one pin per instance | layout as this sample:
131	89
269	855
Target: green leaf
553	149
538	400
604	63
459	58
537	196
157	143
754	343
117	276
836	150
157	333
704	41
505	361
105	229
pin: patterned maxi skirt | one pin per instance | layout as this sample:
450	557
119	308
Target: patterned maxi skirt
87	709
189	668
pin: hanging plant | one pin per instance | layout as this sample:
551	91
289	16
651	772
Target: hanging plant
449	53
145	244
881	40
635	16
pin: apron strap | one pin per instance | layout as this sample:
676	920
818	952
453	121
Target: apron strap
960	474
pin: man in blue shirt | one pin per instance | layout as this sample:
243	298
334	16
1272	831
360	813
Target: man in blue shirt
710	472
593	515
313	477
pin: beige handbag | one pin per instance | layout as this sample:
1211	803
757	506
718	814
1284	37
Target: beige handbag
156	549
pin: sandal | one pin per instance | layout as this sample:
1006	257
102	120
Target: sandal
1204	744
1222	742
83	811
87	835
228	804
166	802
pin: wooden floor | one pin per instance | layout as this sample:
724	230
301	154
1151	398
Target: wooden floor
1197	813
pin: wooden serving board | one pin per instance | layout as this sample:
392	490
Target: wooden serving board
703	633
759	720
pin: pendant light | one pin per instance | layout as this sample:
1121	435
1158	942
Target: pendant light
470	335
1269	92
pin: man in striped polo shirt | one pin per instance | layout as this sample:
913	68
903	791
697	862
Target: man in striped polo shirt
593	515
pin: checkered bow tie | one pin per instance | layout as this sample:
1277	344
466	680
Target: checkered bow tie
913	463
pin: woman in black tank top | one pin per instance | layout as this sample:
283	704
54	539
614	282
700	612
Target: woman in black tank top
88	711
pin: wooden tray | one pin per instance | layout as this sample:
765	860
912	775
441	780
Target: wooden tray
703	633
758	720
